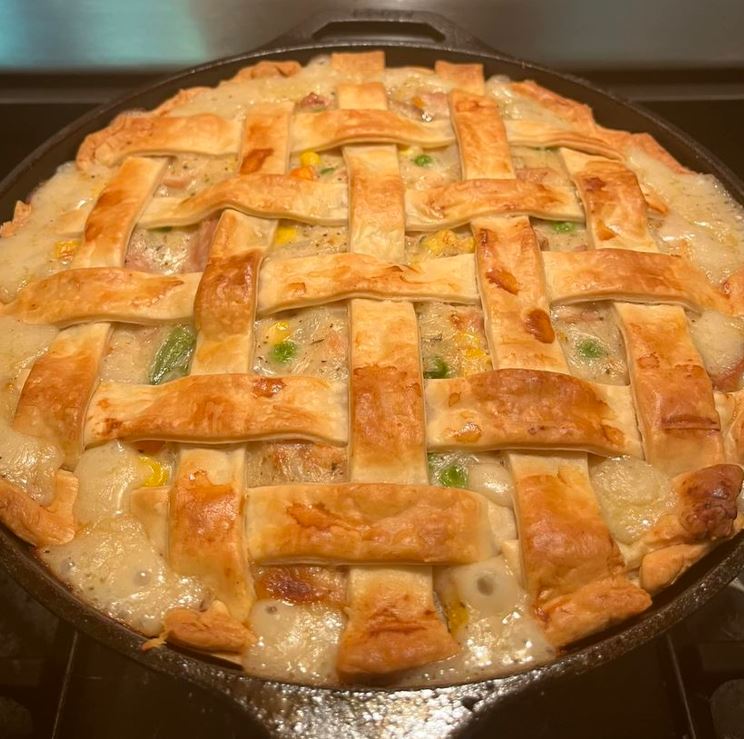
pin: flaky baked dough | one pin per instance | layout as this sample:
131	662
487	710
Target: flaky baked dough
365	523
219	409
304	281
106	294
530	409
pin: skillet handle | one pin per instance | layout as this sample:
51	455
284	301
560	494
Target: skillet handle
379	26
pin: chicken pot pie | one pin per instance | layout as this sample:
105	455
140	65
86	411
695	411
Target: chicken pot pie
349	373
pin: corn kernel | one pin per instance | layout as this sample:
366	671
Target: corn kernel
457	615
440	241
278	332
474	352
158	474
467	338
285	234
304	173
66	249
309	159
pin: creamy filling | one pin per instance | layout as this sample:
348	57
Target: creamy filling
591	342
310	341
453	341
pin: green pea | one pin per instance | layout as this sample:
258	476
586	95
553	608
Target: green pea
436	369
564	227
283	352
423	160
173	356
454	476
590	349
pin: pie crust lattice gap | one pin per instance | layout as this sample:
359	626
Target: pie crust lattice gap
388	524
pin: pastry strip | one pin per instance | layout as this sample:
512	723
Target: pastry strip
530	409
304	281
368	523
262	195
377	218
206	512
265	139
362	63
205	133
106	294
673	392
574	583
332	128
465	77
453	205
220	409
631	276
392	621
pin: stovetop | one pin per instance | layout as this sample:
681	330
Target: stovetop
55	683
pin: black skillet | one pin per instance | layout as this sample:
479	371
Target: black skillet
281	709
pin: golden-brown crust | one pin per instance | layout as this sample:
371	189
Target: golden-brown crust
393	625
662	567
705	508
265	146
359	62
204	133
105	294
206	537
452	205
707	500
673	393
263	195
510	278
365	523
39	525
538	134
226	298
301	584
213	630
628	275
332	128
481	137
21	214
55	396
364	96
113	216
387	434
465	77
593	607
733	287
376	213
268	68
303	281
565	542
613	201
584	133
220	409
734	431
530	409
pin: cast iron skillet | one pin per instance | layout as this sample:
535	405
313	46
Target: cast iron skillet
282	709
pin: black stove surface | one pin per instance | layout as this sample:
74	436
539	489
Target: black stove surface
60	684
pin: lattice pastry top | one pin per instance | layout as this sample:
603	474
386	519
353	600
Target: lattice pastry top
348	372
